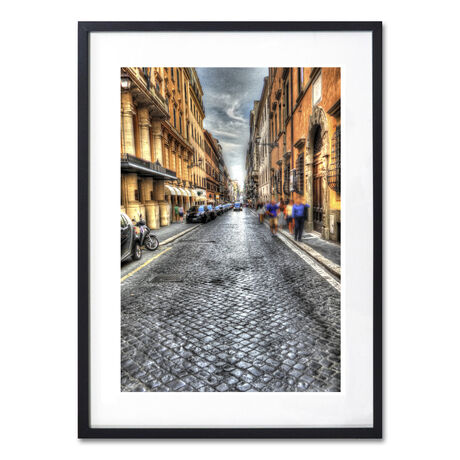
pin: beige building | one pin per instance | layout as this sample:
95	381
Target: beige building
161	142
195	111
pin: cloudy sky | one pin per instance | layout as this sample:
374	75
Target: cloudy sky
229	95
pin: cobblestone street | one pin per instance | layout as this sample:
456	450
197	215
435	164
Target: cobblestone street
238	310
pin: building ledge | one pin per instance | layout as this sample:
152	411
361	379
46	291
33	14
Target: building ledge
132	164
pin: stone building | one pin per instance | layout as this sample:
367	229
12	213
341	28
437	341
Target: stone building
213	155
251	183
262	145
162	142
143	174
195	117
178	150
304	143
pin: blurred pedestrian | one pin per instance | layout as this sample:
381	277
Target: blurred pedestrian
281	215
260	212
299	213
181	214
289	218
176	212
272	211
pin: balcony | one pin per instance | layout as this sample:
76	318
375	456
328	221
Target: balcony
132	164
150	97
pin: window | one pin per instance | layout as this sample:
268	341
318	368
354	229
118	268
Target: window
178	80
317	90
180	124
299	79
300	174
333	174
279	117
286	100
174	117
287	172
167	103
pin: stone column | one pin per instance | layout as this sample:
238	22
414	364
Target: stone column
133	206
144	129
151	206
157	144
127	124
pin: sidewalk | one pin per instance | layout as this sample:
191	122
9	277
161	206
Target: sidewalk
324	252
167	234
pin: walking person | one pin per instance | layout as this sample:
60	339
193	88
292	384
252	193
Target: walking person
181	214
282	215
176	213
299	213
260	212
272	211
289	218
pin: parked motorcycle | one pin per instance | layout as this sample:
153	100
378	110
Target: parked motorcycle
147	238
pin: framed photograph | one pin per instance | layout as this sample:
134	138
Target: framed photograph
244	161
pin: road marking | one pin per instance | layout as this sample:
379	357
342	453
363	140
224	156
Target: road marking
310	261
175	237
305	257
144	264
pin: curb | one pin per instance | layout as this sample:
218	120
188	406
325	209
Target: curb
324	261
179	235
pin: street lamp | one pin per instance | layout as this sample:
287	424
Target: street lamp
125	82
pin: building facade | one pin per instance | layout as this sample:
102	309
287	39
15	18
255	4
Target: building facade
214	178
162	142
304	144
144	109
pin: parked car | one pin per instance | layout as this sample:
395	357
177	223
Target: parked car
130	242
198	214
212	211
219	209
237	206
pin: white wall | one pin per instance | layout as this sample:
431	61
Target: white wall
39	286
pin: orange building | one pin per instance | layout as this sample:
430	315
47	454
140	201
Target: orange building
305	138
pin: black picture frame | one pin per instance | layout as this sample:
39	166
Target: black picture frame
84	428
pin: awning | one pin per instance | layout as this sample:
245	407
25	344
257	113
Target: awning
181	191
188	192
171	190
194	193
132	164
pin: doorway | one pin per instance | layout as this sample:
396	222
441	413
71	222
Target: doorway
317	181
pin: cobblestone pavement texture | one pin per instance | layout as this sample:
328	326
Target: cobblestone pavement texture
327	249
229	308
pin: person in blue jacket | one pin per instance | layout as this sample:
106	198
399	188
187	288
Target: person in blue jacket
299	214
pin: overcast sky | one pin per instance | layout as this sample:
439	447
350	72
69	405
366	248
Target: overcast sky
229	95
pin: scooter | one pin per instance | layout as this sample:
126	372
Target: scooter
147	238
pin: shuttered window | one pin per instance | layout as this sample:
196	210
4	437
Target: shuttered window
300	167
333	175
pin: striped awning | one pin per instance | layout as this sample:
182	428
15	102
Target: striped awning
169	190
181	191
